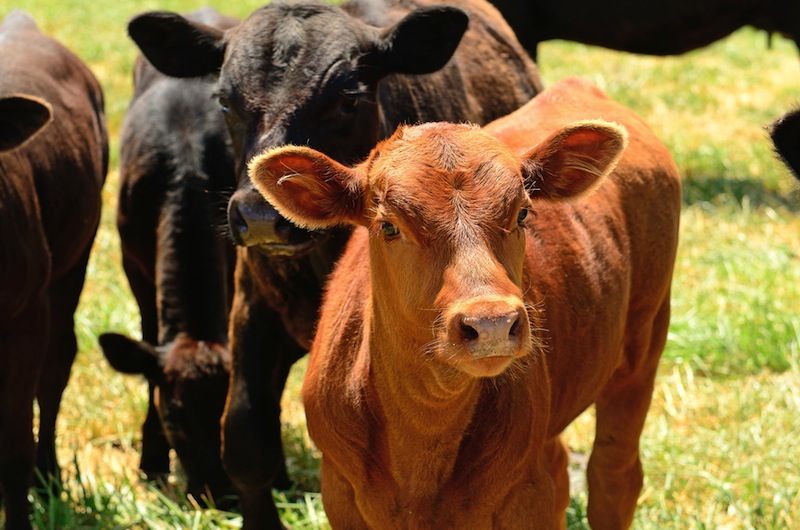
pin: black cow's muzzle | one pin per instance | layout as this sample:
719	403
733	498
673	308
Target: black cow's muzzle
253	222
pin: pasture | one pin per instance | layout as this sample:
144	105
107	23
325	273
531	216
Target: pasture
720	449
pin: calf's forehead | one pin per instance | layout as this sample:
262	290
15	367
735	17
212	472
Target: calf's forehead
446	174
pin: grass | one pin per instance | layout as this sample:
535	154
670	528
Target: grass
720	449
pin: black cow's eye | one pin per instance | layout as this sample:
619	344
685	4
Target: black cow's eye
224	103
389	230
523	213
348	104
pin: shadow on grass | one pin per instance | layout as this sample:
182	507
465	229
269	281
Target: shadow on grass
752	191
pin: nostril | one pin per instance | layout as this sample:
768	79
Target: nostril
238	225
468	333
283	227
515	329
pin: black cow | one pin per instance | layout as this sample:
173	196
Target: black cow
49	212
652	28
785	135
338	79
175	164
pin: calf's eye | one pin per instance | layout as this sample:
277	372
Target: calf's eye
389	230
523	213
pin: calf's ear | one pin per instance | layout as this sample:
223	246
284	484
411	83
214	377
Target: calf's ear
573	160
176	46
130	356
308	188
422	42
785	135
21	117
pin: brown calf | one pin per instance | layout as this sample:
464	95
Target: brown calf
338	79
491	292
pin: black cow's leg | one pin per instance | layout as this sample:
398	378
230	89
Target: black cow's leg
286	358
21	357
252	449
155	448
61	350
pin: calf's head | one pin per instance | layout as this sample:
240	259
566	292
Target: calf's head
297	73
447	208
191	382
21	117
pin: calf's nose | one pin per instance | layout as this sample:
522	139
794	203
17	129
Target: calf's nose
489	329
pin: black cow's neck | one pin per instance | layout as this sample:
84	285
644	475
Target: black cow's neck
191	267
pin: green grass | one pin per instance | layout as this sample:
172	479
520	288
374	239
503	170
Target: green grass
720	449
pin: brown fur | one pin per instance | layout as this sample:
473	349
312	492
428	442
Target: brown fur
417	430
49	211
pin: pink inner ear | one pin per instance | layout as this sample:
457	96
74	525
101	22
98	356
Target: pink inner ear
287	165
587	140
577	161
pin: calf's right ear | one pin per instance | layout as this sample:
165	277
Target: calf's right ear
308	188
21	117
130	356
785	135
176	46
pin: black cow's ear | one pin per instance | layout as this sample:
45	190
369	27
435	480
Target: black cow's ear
20	118
422	42
176	46
785	135
130	356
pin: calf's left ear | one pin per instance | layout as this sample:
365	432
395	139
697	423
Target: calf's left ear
574	160
130	356
308	188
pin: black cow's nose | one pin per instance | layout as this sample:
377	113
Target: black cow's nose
238	225
253	221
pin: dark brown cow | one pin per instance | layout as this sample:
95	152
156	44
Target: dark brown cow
646	27
785	135
49	211
338	79
175	163
496	286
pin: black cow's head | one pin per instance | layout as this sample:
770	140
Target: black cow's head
785	135
21	117
299	73
191	382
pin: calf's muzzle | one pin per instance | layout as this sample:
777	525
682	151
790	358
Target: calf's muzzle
489	327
